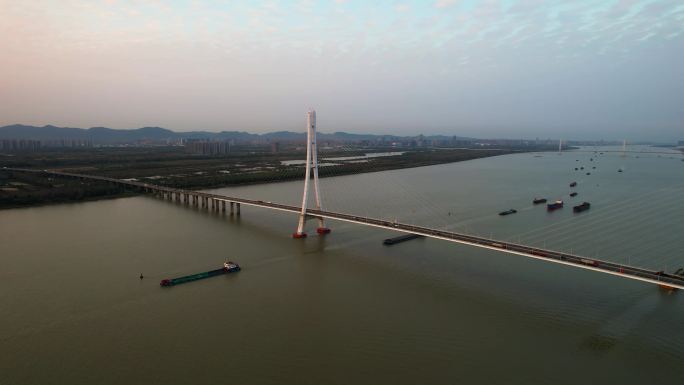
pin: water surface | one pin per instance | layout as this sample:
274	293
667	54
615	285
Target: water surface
344	309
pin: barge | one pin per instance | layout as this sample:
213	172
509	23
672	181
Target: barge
228	267
401	238
583	207
508	212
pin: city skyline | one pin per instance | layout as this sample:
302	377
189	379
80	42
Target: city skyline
586	70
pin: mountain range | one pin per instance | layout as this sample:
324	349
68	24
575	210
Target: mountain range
104	135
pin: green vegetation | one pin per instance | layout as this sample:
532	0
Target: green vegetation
19	189
174	167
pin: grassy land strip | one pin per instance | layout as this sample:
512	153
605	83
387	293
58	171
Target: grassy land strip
171	166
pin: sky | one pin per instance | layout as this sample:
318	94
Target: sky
605	69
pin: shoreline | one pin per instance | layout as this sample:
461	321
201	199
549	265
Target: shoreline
264	178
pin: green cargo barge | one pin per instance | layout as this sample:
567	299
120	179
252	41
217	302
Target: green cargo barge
228	267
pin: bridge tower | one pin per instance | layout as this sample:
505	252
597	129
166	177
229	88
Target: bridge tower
311	164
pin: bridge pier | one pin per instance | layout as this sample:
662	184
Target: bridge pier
232	208
237	209
223	206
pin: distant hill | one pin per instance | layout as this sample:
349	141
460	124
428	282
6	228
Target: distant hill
104	135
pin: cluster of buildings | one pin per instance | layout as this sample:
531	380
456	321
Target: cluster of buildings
206	147
12	145
16	145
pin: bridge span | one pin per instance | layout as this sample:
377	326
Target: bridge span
218	202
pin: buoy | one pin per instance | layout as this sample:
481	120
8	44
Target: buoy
141	276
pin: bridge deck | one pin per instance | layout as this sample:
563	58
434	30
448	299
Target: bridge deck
602	266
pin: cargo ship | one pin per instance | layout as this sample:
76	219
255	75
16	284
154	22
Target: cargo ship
228	267
537	201
583	207
508	212
555	205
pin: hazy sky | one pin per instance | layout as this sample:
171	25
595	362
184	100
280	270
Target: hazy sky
571	69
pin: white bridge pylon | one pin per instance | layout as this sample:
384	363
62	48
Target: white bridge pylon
311	163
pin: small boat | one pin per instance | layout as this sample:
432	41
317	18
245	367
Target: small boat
619	170
588	173
583	207
573	194
508	212
537	201
576	168
573	184
582	168
555	205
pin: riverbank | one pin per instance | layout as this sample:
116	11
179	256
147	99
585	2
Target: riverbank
167	168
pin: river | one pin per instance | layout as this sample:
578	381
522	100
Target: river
344	309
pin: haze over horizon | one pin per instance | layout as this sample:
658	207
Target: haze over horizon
580	70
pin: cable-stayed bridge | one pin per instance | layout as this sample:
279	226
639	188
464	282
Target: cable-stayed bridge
218	202
222	203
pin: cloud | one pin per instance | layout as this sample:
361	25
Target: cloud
214	60
444	3
402	7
